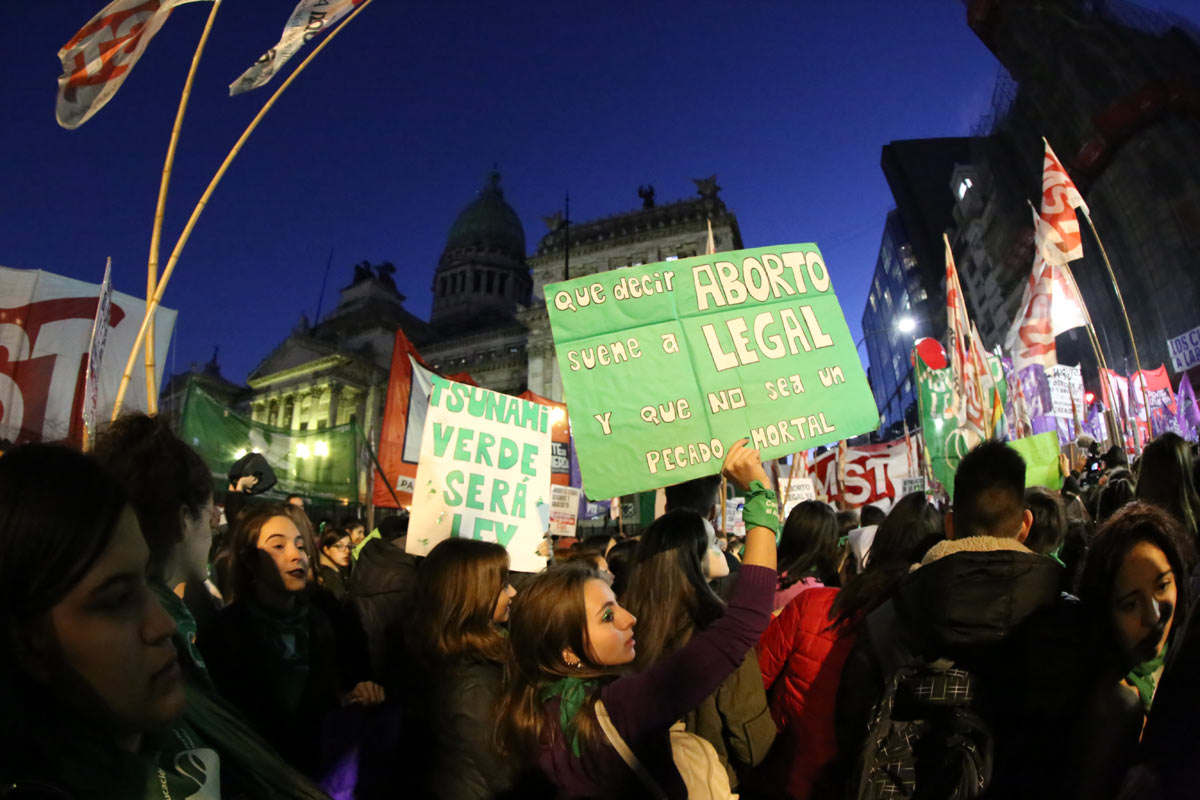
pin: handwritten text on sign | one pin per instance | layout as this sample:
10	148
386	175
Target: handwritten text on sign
483	472
665	365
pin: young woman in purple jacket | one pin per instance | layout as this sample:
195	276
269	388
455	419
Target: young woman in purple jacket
571	644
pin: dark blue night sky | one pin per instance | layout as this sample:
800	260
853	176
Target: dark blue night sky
377	146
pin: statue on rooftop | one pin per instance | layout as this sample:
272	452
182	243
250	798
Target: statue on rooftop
707	187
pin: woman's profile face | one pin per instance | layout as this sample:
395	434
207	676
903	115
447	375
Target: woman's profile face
197	539
609	627
283	564
110	653
504	603
1143	605
339	552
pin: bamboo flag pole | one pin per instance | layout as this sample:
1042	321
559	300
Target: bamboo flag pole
153	302
1124	314
156	233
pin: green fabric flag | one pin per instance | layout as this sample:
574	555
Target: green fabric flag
1041	459
665	365
946	440
321	463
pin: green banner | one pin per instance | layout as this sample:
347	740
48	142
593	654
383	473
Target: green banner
1041	459
946	442
317	463
665	365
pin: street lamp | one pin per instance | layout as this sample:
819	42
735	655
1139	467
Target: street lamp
905	324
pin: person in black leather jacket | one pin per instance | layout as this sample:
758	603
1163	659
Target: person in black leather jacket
462	597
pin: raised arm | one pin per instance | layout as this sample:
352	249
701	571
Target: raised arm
653	700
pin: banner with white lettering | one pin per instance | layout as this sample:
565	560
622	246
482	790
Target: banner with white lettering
46	324
665	365
873	472
484	471
1185	350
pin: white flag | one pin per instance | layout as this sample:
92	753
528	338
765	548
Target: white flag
309	18
98	58
91	391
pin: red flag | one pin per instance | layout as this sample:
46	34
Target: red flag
400	472
98	58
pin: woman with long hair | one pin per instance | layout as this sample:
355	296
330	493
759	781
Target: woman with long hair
572	707
1166	478
803	650
1135	594
272	652
462	599
808	551
668	591
171	491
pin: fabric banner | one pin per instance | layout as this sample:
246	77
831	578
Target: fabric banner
946	441
1041	460
872	472
1185	350
309	18
318	463
1066	398
1186	413
403	421
667	364
484	472
1060	198
46	325
98	58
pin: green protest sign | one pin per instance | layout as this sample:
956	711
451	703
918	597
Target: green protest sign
321	463
483	473
665	365
1041	459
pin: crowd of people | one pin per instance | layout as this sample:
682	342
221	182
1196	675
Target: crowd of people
1005	642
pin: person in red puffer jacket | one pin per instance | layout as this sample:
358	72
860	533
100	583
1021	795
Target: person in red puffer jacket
802	653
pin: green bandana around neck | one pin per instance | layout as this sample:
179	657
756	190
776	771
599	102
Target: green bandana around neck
572	692
1142	677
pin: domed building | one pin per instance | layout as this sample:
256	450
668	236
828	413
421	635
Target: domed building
481	280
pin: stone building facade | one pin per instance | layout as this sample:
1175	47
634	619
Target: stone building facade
644	236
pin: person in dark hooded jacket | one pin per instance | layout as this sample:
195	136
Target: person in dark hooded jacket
985	601
381	590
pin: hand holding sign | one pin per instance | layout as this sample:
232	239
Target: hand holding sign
743	465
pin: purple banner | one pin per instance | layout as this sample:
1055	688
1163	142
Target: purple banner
1187	414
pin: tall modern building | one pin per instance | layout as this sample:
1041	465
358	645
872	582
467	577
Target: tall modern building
896	289
906	300
1115	89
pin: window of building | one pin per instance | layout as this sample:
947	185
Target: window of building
964	185
303	426
478	279
442	289
491	282
503	284
321	423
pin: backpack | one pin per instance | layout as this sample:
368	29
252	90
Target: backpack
925	741
695	758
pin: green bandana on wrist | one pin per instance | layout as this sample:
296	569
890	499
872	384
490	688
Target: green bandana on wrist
572	693
761	509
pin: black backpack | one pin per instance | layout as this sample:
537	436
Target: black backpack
925	740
